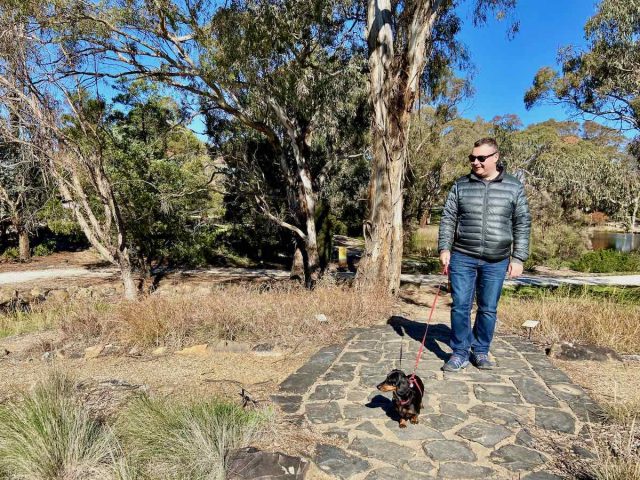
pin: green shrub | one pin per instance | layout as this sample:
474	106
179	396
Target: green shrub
47	434
11	253
45	248
556	245
180	441
607	261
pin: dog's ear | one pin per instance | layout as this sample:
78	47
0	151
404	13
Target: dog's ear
402	385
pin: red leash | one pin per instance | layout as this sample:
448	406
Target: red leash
412	377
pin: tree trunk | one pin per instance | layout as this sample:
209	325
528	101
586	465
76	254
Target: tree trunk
23	244
425	218
311	259
382	259
297	265
634	214
394	83
126	274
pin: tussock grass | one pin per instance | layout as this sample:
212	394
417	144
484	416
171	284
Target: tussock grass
574	315
47	434
179	441
282	313
617	450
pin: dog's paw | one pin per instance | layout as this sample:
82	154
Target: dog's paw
414	420
403	423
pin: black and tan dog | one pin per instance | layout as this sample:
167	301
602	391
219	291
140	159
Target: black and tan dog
407	395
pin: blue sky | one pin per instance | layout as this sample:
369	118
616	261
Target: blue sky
505	68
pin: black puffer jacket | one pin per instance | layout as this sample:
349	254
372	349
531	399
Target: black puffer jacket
485	219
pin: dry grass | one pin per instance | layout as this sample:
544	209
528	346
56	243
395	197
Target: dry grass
174	441
284	314
581	318
48	434
424	241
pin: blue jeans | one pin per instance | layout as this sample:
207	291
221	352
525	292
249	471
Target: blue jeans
483	279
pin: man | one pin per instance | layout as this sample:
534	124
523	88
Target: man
484	233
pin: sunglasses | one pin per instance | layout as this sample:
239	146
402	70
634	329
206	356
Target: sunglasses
481	158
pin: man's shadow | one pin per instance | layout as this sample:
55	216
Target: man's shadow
414	330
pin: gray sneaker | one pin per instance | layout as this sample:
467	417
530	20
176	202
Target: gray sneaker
481	361
455	364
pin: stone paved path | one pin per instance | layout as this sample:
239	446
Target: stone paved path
475	424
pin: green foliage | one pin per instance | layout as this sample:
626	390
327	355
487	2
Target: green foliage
49	434
45	248
178	441
11	253
607	261
556	245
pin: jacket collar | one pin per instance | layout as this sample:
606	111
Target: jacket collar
501	172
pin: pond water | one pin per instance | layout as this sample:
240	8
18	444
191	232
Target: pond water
622	242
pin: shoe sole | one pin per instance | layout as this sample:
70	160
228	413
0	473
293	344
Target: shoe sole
449	369
484	367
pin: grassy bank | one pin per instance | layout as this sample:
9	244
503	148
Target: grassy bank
608	317
284	313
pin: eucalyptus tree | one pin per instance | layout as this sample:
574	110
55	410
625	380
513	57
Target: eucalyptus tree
409	42
602	80
23	185
280	69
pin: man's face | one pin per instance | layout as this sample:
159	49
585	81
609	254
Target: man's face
489	166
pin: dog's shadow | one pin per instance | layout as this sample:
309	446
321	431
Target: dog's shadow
415	330
386	405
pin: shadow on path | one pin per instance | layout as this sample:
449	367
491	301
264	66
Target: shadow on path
415	330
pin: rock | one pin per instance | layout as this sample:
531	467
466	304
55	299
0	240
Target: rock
514	458
370	428
485	434
134	352
534	392
572	351
8	296
495	415
379	449
93	352
390	473
323	412
58	296
35	295
321	317
201	350
496	393
287	403
448	450
554	419
583	452
266	350
328	392
338	463
251	463
230	346
542	476
459	470
159	351
440	422
414	432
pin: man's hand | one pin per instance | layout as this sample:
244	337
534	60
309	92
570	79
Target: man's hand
515	269
445	257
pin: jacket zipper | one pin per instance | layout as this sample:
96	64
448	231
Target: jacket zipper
484	216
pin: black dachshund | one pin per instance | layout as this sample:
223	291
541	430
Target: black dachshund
407	395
